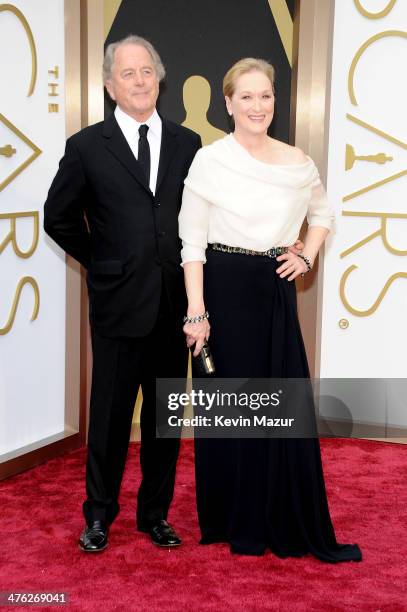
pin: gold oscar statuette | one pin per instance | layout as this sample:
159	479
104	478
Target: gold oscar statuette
351	157
7	150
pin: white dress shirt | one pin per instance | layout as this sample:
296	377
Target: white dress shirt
130	127
234	199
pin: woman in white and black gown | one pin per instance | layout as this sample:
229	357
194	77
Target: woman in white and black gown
251	192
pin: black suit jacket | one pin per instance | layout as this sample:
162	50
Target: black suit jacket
101	211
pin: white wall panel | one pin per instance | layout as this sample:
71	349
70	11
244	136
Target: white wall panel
369	344
32	353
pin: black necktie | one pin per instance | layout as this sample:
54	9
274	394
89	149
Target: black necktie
144	151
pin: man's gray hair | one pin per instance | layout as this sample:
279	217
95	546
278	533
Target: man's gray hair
132	39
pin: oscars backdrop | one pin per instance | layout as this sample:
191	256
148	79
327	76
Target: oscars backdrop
32	272
364	331
198	42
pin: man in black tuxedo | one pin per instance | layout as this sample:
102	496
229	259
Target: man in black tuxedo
113	206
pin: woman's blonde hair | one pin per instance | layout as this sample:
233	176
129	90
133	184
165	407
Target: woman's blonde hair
243	66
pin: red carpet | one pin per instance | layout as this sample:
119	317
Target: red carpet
366	484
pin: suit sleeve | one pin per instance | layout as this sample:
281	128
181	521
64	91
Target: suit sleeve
64	210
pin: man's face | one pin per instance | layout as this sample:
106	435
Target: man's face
133	83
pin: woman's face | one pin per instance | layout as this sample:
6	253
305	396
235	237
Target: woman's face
252	103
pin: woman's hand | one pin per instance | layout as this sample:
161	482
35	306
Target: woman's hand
197	333
292	267
297	247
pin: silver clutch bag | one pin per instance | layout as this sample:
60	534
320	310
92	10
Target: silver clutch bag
202	364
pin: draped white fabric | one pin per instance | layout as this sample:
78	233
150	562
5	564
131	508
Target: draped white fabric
232	198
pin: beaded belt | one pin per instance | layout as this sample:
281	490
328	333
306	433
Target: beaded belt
273	252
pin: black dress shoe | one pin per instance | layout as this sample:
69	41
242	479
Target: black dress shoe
162	534
94	537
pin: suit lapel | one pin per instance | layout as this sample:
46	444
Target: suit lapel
169	145
118	146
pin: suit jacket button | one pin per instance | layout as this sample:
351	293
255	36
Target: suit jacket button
161	234
158	261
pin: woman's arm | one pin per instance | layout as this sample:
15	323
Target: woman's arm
196	333
313	241
293	265
320	218
193	230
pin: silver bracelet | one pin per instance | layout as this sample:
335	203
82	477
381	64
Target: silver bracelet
197	318
307	262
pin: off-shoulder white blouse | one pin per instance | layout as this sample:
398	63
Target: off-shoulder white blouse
232	198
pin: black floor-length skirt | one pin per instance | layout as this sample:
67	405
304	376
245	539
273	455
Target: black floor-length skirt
260	494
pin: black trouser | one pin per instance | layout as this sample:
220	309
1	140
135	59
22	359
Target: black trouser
120	366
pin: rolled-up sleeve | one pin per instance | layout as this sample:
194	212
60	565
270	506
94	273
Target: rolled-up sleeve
193	224
320	213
